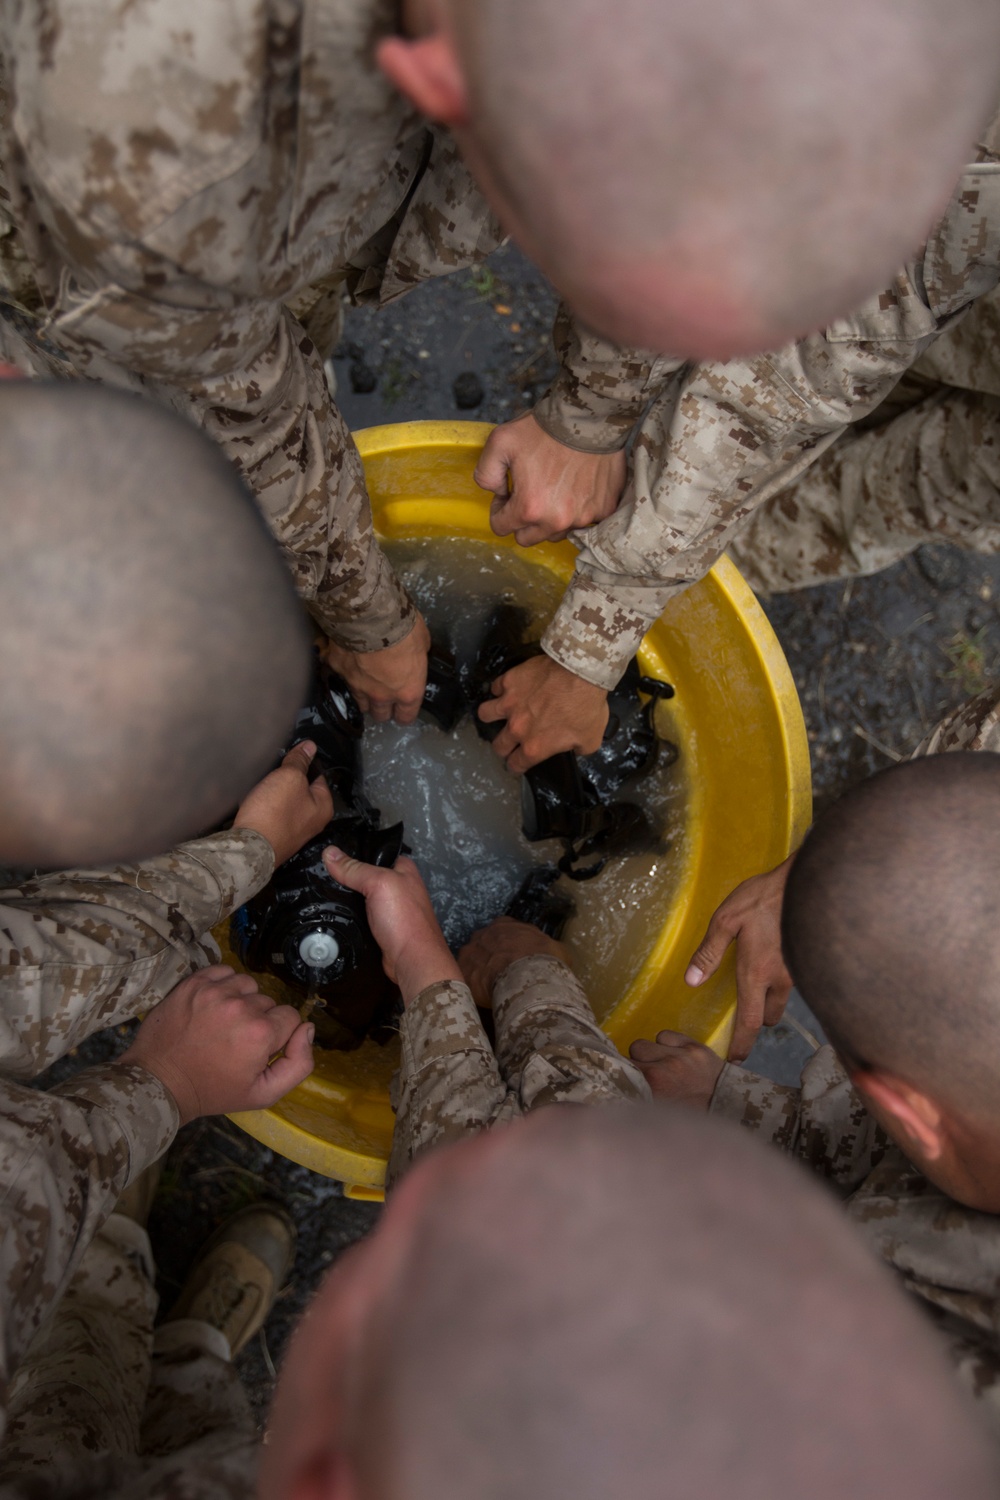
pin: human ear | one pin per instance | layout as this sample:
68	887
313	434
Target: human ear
908	1115
427	70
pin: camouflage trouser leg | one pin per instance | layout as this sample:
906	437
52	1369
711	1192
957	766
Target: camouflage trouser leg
98	1380
930	474
82	1386
194	1392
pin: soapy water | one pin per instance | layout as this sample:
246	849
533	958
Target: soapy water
461	808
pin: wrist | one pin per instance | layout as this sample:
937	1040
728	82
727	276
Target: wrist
425	963
259	827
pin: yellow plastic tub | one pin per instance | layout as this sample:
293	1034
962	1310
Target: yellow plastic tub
737	719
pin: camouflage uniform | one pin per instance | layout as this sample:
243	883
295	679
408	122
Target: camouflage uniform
185	220
99	1402
720	440
549	1050
93	1402
85	949
945	1255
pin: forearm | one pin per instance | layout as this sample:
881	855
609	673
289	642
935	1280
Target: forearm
717	443
275	419
244	370
549	1045
449	1085
81	950
601	390
823	1123
65	1157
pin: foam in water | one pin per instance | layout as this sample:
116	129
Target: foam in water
462	809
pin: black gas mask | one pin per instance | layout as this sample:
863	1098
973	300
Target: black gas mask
303	927
313	934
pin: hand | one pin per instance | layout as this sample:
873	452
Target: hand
677	1068
553	489
490	952
547	709
286	808
402	920
751	917
211	1041
389	683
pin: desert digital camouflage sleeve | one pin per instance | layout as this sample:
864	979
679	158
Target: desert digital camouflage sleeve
601	390
448	1085
84	949
823	1123
65	1157
722	438
549	1043
164	207
549	1050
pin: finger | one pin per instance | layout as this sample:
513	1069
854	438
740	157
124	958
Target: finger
751	990
300	757
503	517
709	953
643	1050
521	760
530	536
322	798
362	700
354	873
240	986
287	1071
283	1021
214	972
380	710
775	1002
493	466
668	1038
505	743
406	713
492	711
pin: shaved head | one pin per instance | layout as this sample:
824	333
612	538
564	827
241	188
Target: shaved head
152	649
713	177
891	926
639	1302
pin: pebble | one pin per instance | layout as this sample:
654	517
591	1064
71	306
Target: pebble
941	566
363	377
467	389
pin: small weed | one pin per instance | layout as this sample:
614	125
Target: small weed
967	654
484	281
395	379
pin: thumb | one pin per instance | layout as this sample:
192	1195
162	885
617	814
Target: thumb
287	1071
300	757
710	951
354	873
492	468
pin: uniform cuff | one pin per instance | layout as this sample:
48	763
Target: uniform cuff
729	1099
382	619
441	1021
594	635
140	1105
240	862
602	425
537	981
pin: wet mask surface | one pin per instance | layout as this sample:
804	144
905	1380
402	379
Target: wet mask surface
462	810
